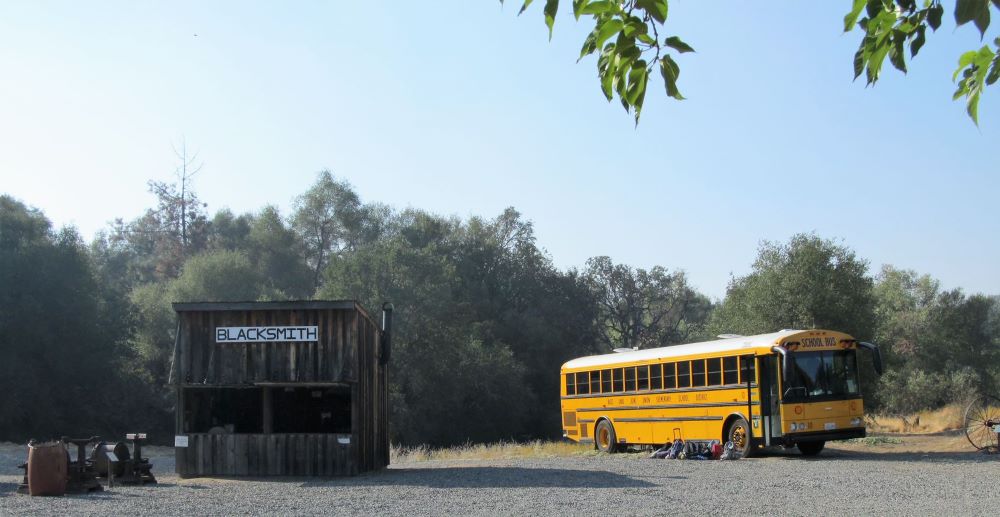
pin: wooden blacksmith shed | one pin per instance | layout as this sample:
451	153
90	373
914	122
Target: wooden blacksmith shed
280	388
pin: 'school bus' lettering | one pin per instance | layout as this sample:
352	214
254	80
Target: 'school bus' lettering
772	389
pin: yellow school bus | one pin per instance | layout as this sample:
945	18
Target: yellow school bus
789	388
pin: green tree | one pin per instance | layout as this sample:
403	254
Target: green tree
939	346
483	322
159	241
808	283
643	309
326	219
63	353
227	231
278	256
631	40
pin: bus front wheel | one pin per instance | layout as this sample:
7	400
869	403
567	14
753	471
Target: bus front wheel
810	448
604	437
739	434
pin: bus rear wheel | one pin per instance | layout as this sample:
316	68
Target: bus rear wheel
604	437
739	434
810	448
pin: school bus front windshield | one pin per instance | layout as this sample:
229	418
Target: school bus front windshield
821	375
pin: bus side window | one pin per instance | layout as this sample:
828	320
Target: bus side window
583	383
570	384
698	372
606	381
655	376
730	375
747	369
630	378
595	382
643	378
715	371
619	382
683	374
670	376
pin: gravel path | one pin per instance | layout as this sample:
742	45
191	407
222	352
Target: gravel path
837	482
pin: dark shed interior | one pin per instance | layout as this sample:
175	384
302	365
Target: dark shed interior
280	388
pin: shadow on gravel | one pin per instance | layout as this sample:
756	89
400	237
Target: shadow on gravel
490	477
916	457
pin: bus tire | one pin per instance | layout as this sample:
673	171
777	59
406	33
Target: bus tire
738	432
604	437
810	448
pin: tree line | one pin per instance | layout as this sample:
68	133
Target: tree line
483	318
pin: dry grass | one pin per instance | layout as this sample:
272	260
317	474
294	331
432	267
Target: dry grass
948	418
490	451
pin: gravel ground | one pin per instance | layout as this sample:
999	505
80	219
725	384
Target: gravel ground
839	482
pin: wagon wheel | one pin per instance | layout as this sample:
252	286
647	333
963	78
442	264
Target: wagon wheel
982	414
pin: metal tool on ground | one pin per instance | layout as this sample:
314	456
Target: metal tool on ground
80	473
82	477
119	464
982	423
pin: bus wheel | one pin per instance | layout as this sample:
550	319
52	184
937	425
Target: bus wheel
604	437
810	448
739	434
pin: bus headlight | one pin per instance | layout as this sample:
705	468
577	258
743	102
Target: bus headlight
795	427
856	422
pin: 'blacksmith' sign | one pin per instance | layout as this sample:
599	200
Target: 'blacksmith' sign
265	334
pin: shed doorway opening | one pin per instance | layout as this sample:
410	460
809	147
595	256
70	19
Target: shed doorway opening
312	409
224	410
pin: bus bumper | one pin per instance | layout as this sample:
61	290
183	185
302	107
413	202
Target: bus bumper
791	439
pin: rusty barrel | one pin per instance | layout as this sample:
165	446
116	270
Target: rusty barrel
47	468
100	458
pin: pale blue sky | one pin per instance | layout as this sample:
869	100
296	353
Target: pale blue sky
461	107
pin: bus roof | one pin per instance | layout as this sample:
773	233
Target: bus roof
764	341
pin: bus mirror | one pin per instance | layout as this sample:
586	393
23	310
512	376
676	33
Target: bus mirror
876	355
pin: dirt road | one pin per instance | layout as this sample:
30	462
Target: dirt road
920	475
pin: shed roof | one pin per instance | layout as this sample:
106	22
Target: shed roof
271	306
278	305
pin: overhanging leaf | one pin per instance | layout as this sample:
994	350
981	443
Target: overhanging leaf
934	15
977	11
600	7
551	6
918	41
608	28
859	62
675	43
670	72
852	17
657	9
964	61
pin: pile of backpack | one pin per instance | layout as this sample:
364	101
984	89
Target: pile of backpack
681	450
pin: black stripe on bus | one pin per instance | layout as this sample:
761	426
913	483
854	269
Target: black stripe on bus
667	406
669	419
655	392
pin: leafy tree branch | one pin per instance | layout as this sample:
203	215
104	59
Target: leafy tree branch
627	39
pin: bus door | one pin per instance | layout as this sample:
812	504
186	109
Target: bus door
770	411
